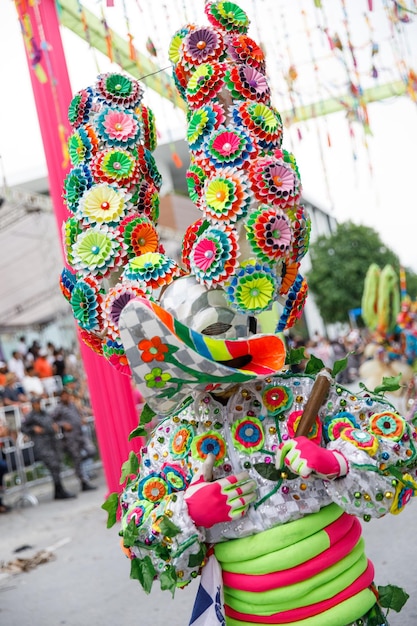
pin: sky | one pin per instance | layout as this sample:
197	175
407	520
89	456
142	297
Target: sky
369	184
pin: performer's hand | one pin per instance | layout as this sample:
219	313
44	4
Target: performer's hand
304	457
222	500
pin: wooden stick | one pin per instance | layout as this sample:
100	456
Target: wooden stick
317	396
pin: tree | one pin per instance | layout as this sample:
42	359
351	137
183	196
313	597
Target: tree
339	265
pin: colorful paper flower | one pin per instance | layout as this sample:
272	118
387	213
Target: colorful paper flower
301	225
153	269
360	439
115	301
335	424
213	257
274	182
195	179
315	431
227	16
138	512
76	182
246	83
102	204
139	235
93	341
263	123
205	82
118	127
405	489
294	304
79	108
225	196
200	125
174	53
289	275
96	251
202	45
248	435
71	228
228	146
145	200
269	233
114	352
387	424
208	443
67	281
85	303
189	240
277	398
115	166
152	488
253	288
152	349
180	441
243	49
147	166
157	379
147	117
118	89
80	146
175	476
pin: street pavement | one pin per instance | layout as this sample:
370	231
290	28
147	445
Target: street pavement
87	583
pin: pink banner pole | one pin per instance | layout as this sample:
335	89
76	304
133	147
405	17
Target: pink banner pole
114	410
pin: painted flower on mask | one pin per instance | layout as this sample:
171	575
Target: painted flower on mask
157	379
152	349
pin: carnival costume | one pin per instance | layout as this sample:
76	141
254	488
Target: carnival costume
226	487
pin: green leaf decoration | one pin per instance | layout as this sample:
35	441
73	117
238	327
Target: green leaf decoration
375	617
339	366
130	534
392	597
140	431
129	467
389	383
146	415
111	505
168	580
268	471
194	560
168	528
314	365
143	571
162	552
295	356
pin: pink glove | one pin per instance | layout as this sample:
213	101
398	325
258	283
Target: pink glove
222	500
304	457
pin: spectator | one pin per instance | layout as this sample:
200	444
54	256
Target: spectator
13	392
16	365
32	385
69	418
22	347
59	363
3	468
3	372
42	366
42	430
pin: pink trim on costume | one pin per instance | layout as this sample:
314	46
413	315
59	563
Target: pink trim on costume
341	544
304	612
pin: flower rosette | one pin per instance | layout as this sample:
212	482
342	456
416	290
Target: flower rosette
152	488
229	147
118	128
75	183
102	204
263	123
225	196
289	276
71	228
247	83
333	425
405	489
93	341
387	424
190	237
175	476
147	166
360	439
201	45
97	251
147	118
115	301
227	16
146	200
67	281
243	49
301	225
175	46
253	287
248	435
204	84
180	442
79	107
274	182
115	166
211	442
80	146
138	512
119	90
85	302
195	178
139	235
153	268
200	124
114	353
294	304
269	234
213	257
277	398
314	434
